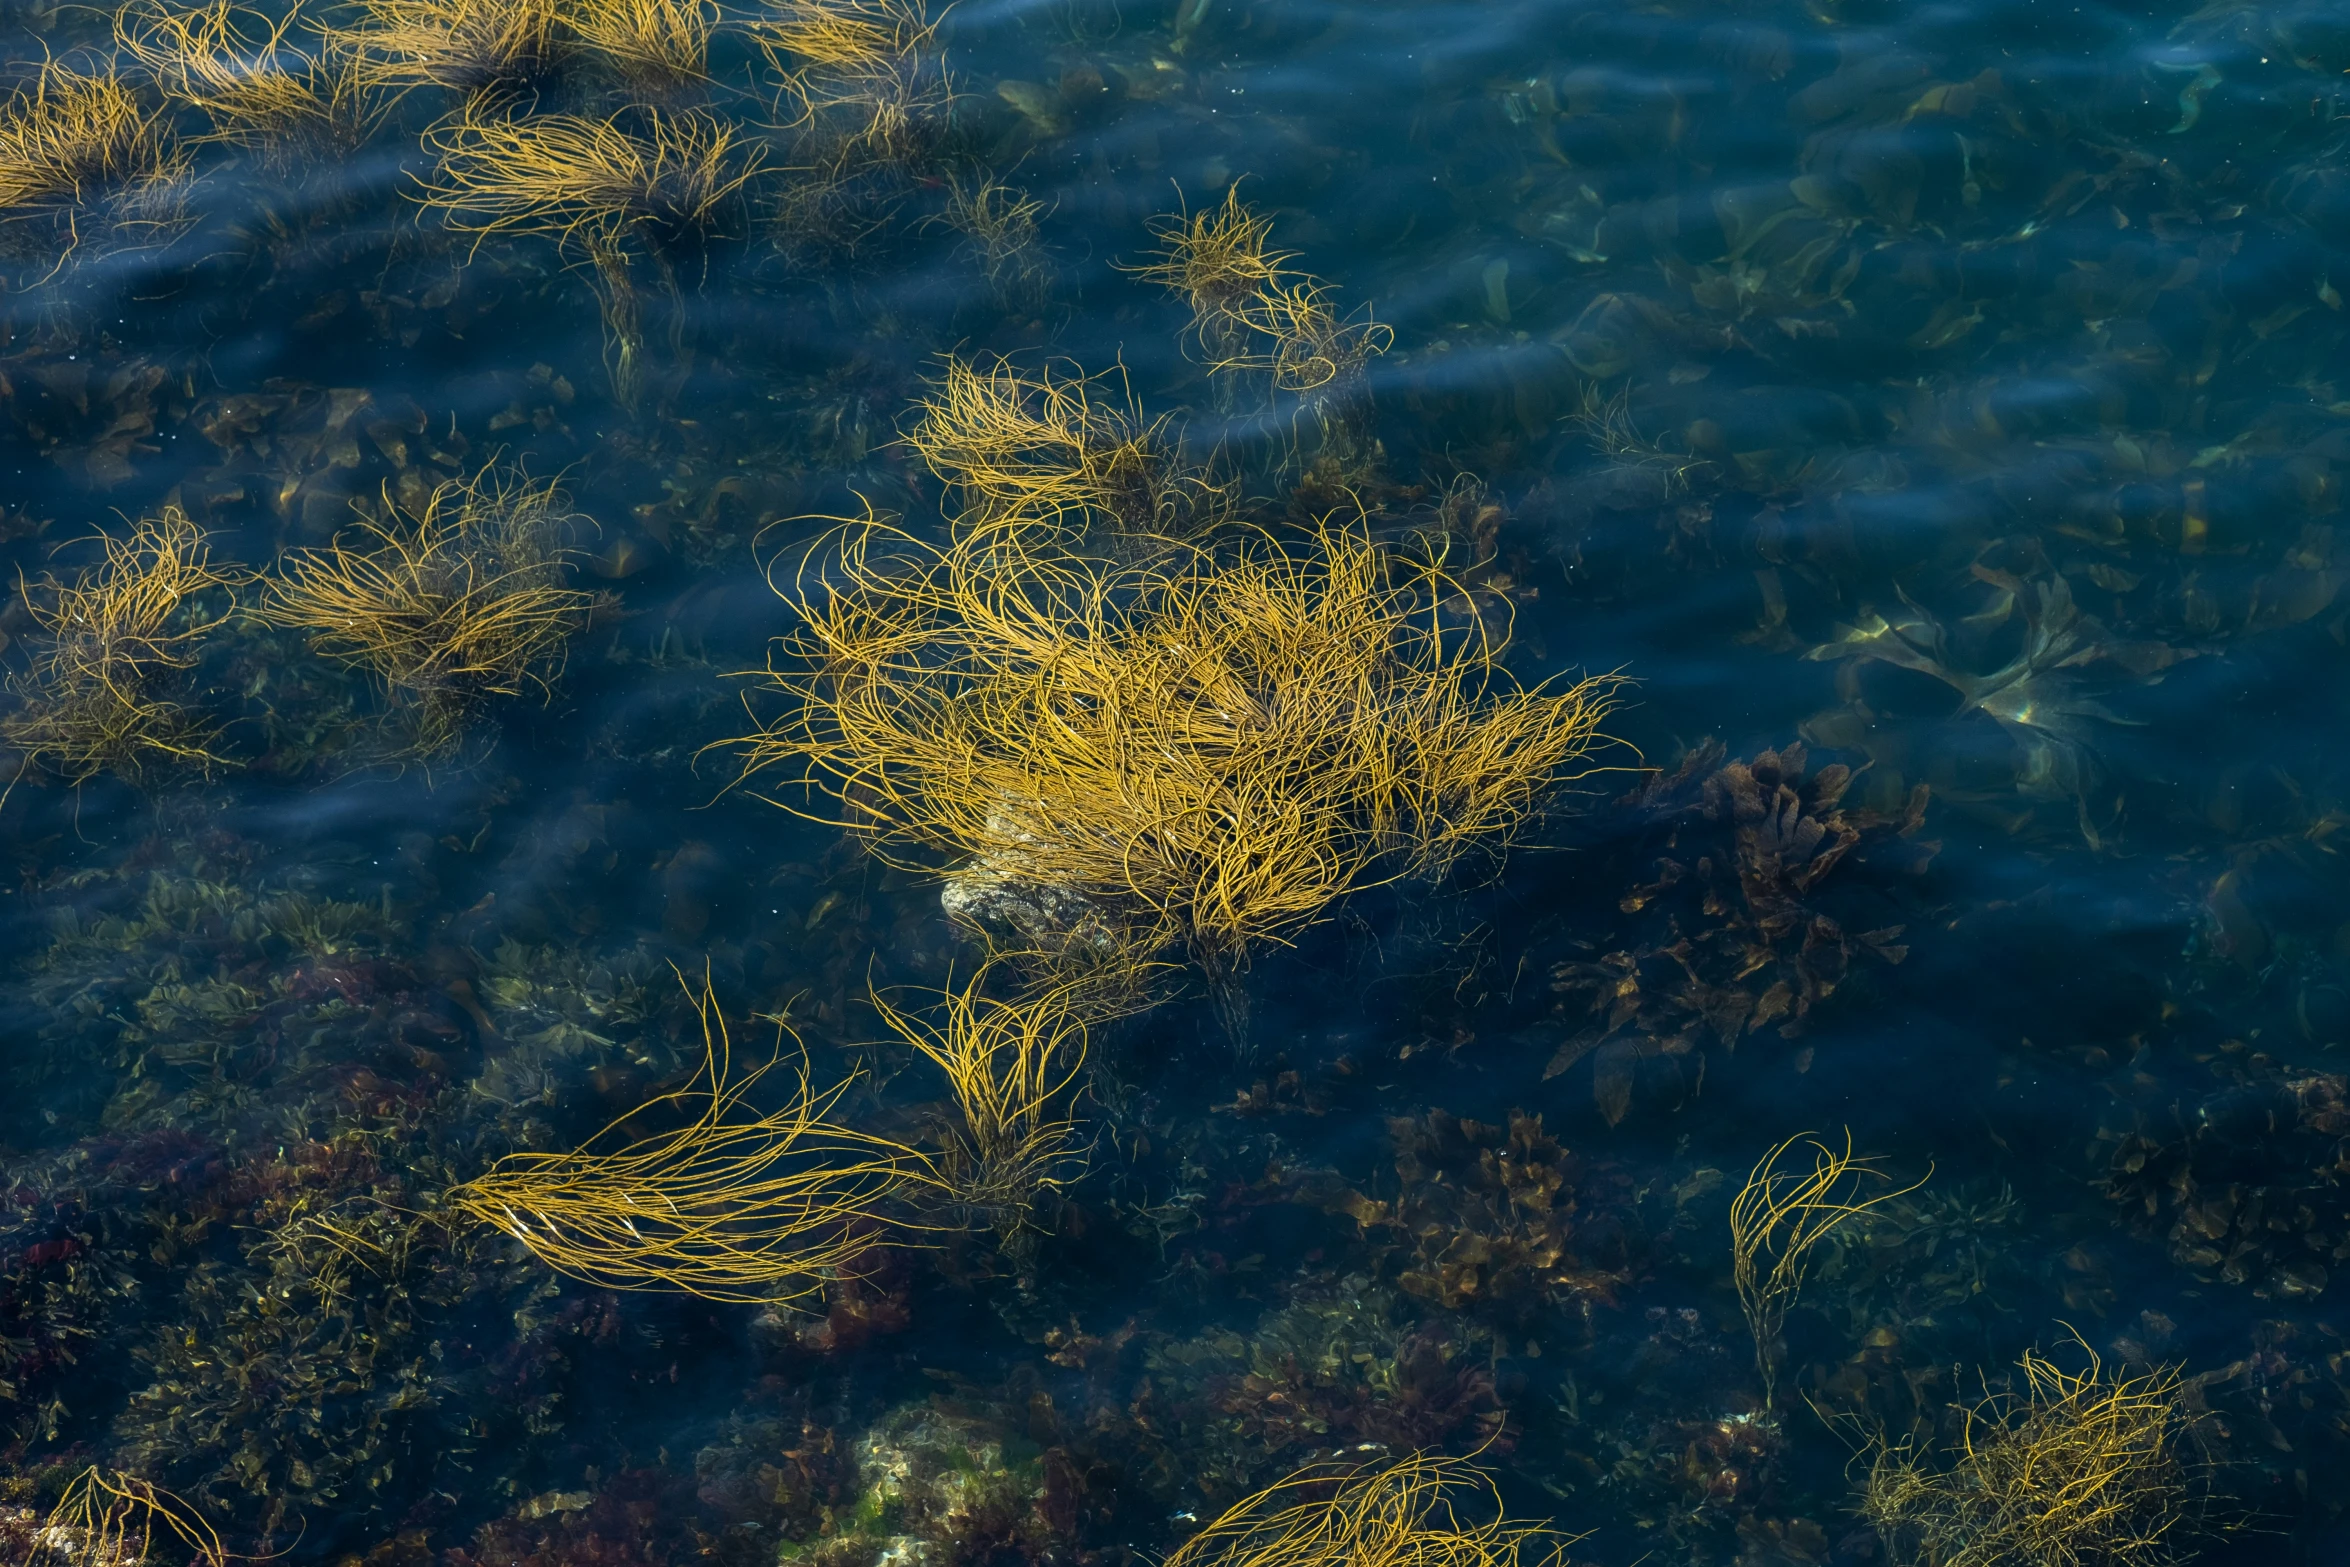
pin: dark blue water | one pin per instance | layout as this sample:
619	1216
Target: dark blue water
1951	394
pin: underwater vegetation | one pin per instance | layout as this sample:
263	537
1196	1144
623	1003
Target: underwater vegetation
1006	1062
467	47
659	49
872	105
731	1205
1256	321
1736	926
457	601
640	184
107	1517
1426	1510
101	689
998	223
1960	394
1052	450
2246	1187
1778	1220
1498	1222
82	159
2073	1469
1201	754
1217	259
260	90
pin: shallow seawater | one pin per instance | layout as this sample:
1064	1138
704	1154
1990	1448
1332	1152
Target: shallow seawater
1937	412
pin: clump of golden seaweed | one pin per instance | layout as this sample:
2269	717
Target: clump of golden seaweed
2076	1469
1006	1063
1202	751
1302	342
80	154
610	189
659	49
1422	1511
462	602
470	47
863	86
1048	449
243	71
735	1204
999	225
1217	258
1255	319
106	1518
662	175
94	696
1779	1218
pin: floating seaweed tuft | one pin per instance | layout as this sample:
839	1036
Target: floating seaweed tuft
732	1205
459	602
657	49
245	73
82	159
2074	1469
1778	1220
467	47
1422	1511
1053	450
100	691
1006	1062
1203	755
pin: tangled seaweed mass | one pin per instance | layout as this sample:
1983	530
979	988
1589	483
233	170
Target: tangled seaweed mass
1239	784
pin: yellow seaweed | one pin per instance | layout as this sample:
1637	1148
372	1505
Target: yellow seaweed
2075	1469
999	225
106	1516
1049	449
1006	1063
91	698
470	47
661	48
1425	1510
863	84
243	71
735	1204
1218	259
1779	1218
77	147
1203	751
459	603
605	188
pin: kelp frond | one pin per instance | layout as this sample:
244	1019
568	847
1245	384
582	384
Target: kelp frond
106	1516
1052	449
94	695
462	601
2074	1469
1203	751
243	70
1778	1220
660	48
734	1204
463	46
76	146
1422	1511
